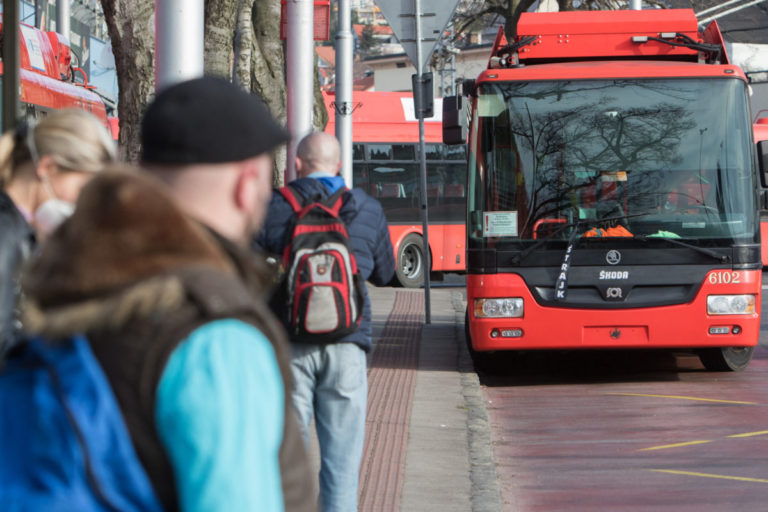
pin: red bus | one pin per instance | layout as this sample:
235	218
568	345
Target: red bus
612	190
47	78
386	165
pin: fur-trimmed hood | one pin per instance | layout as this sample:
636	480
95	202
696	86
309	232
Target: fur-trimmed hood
121	257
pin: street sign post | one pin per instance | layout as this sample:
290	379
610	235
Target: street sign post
434	16
418	25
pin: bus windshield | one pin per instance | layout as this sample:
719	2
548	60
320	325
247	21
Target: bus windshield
665	158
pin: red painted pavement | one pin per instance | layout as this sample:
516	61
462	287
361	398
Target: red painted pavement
567	430
391	383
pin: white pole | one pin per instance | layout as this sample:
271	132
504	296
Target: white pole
419	100
179	27
299	57
636	5
344	106
62	18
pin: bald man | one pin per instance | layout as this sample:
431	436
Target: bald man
331	379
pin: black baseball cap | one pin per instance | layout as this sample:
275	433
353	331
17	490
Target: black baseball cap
207	120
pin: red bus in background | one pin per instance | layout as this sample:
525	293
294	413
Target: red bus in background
47	79
761	134
386	166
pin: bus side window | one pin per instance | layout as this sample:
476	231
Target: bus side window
389	190
454	190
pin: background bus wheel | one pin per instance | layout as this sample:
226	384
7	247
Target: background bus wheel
725	359
409	269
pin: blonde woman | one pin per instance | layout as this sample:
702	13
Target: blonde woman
43	166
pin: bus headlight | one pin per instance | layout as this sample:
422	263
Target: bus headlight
730	304
499	308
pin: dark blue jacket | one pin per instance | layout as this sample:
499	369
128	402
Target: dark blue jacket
17	241
368	234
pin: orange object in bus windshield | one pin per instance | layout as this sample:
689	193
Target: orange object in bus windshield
618	231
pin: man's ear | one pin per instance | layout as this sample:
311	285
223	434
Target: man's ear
299	166
245	186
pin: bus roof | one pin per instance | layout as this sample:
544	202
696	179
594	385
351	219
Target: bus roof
386	117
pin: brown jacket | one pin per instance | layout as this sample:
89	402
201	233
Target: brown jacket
137	276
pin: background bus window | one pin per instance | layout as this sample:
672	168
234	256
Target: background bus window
403	152
358	152
433	152
379	151
397	187
454	152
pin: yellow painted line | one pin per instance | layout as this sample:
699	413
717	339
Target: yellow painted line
710	475
685	398
751	434
676	445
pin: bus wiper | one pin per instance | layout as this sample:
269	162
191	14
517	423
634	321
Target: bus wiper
685	41
513	47
722	258
581	222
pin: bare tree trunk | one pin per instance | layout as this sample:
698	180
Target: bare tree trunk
514	9
268	68
131	25
244	44
219	37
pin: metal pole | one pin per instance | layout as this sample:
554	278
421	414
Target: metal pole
299	58
453	67
179	27
11	59
344	49
62	17
423	161
636	5
38	15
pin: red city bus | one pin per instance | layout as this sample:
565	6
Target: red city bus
611	190
46	76
386	166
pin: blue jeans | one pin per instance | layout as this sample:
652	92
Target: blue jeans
331	383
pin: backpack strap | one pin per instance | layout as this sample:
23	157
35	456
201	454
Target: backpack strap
336	200
292	197
332	203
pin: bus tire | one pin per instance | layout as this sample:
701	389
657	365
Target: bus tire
409	268
726	359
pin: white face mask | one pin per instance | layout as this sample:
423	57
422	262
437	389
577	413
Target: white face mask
52	213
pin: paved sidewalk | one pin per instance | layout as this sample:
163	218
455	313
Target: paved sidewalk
441	424
428	445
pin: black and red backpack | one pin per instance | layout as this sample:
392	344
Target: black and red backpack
323	289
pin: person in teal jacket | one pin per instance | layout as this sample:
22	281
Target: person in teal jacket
151	267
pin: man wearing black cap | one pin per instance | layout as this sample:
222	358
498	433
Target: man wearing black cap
151	268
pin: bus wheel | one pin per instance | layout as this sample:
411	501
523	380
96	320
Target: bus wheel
410	262
726	359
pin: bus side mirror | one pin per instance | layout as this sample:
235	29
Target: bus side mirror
468	87
455	126
762	158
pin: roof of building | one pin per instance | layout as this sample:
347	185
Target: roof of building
326	53
378	30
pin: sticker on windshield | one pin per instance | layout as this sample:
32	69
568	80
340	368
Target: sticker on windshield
500	224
